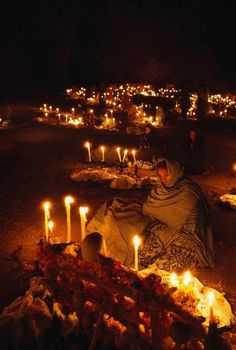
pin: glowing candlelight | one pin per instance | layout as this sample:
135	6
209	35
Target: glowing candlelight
211	298
137	242
234	169
51	226
174	279
103	153
187	278
68	201
83	211
133	153
125	154
118	151
89	152
46	207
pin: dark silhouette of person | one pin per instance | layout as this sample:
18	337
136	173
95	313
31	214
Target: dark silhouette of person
150	144
195	153
202	102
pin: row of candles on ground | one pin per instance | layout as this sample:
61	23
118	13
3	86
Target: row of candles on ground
174	280
49	224
118	149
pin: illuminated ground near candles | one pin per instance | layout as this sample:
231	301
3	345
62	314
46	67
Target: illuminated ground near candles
38	169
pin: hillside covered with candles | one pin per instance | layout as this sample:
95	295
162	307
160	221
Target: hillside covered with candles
42	202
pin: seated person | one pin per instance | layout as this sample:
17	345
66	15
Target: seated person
150	144
174	224
195	153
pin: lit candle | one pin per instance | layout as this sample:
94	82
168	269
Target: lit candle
103	153
46	207
187	278
211	302
68	201
133	153
125	154
174	279
51	226
83	211
118	151
89	152
136	241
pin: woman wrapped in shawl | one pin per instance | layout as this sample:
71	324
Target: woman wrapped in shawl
174	223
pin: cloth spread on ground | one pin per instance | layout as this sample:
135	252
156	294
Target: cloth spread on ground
174	224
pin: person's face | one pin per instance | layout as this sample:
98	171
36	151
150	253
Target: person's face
148	130
193	135
164	175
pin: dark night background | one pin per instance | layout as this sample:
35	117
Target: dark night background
49	46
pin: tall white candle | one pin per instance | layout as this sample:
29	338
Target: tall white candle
118	151
89	152
46	207
136	241
133	153
125	154
68	201
103	153
83	219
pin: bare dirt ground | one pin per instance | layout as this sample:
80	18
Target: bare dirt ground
39	167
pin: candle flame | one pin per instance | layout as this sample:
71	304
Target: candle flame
102	148
133	152
234	166
210	298
46	205
118	149
69	200
174	279
83	210
187	278
87	144
50	225
137	241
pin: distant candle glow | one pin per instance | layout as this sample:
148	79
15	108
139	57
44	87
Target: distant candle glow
133	153
125	154
103	153
118	151
87	144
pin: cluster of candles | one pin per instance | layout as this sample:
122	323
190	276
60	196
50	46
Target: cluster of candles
185	283
118	149
49	224
181	282
119	98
